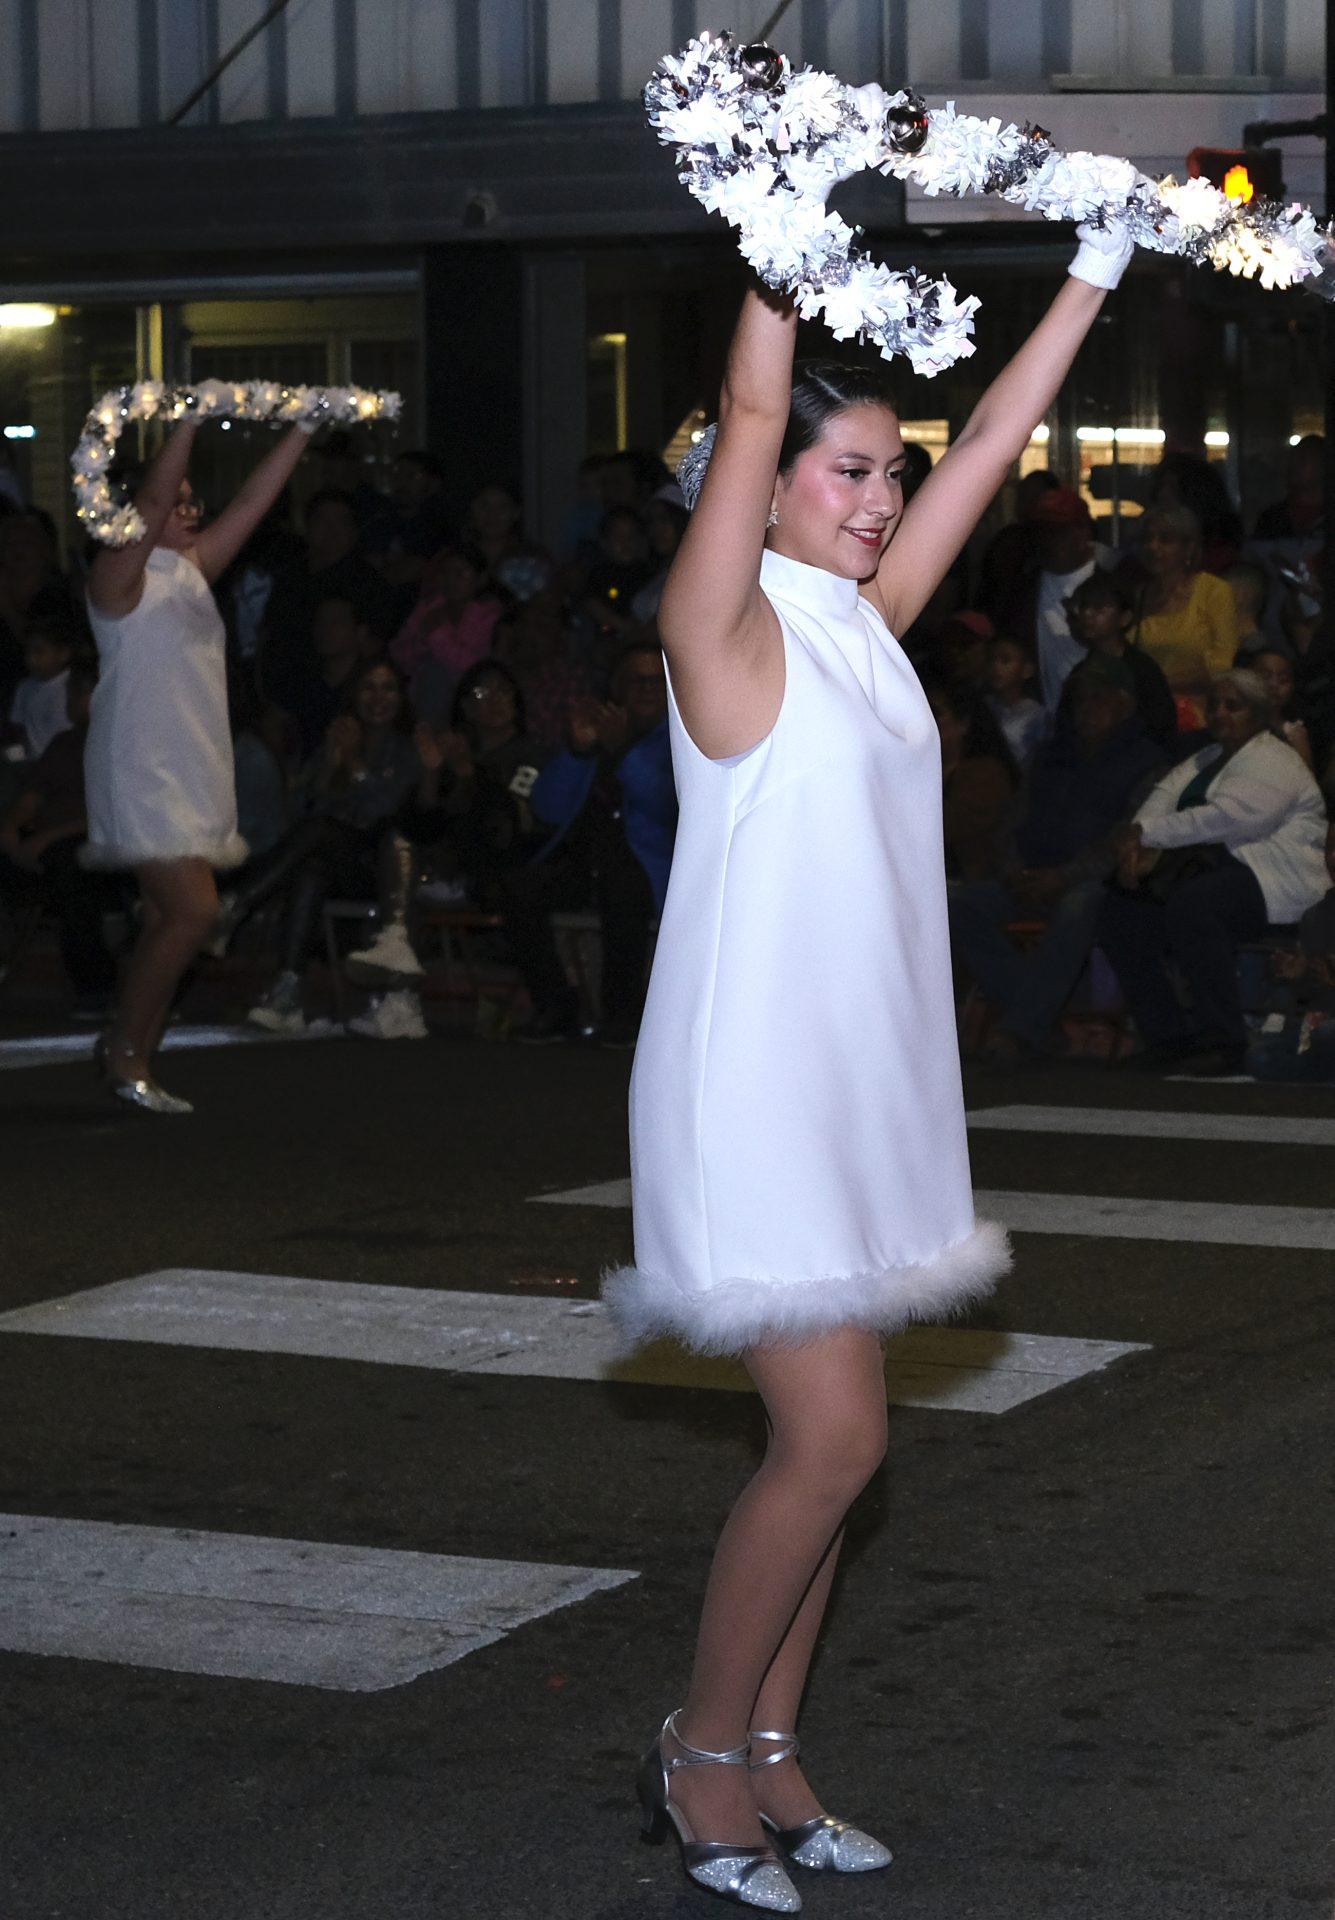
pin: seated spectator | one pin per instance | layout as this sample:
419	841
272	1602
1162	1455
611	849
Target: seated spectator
980	780
32	586
623	568
580	539
1185	618
1013	552
341	462
1301	514
536	644
1101	616
1250	585
40	838
330	565
665	521
1276	672
261	790
1227	845
1308	640
419	524
353	790
1187	480
341	643
1305	1050
513	565
1034	608
1083	783
39	708
1010	676
452	626
958	653
611	801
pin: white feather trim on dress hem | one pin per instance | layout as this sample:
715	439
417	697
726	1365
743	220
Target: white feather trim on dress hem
735	1314
229	851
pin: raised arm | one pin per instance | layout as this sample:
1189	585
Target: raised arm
221	541
719	632
116	577
954	496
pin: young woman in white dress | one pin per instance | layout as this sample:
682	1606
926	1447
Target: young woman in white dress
799	1158
159	771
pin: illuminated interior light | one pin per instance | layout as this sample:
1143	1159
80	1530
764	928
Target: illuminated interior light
1217	438
18	315
24	432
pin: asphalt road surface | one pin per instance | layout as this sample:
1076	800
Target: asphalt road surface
339	1581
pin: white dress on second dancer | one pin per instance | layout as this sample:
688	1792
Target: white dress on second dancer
158	766
798	1149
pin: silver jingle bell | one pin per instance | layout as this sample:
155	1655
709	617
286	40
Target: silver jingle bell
761	66
907	126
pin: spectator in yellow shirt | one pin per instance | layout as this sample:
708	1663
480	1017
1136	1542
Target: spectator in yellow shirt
1187	619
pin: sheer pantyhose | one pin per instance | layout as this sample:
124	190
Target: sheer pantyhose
772	1573
180	911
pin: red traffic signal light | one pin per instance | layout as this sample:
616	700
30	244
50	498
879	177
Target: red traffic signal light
1243	173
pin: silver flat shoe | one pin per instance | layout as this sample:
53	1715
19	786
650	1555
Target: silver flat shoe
824	1844
748	1876
146	1095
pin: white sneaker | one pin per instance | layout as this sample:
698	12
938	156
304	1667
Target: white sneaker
394	1016
389	958
280	1010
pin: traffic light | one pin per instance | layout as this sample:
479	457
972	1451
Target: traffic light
1243	173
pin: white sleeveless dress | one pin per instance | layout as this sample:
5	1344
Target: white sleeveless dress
798	1149
158	767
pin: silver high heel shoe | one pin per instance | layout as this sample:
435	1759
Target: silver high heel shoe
749	1876
825	1844
140	1091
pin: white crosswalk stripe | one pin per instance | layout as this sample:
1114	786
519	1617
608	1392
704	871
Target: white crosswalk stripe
1096	1216
967	1370
358	1619
1249	1129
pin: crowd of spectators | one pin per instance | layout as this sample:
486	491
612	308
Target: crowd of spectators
1138	742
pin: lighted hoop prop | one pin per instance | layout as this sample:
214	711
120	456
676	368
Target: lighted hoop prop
118	523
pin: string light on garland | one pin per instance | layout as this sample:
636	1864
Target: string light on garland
117	523
763	144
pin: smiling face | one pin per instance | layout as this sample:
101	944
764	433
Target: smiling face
840	504
378	697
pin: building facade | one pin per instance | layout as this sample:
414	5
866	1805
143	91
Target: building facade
459	198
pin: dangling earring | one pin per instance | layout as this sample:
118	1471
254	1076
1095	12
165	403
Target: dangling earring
773	520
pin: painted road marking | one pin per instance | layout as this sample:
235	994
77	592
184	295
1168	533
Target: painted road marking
953	1369
1249	1129
1099	1217
57	1049
358	1619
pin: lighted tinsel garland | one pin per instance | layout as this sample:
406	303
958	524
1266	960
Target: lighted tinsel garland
763	145
117	523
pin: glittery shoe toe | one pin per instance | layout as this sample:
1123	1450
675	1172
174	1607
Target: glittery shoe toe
828	1845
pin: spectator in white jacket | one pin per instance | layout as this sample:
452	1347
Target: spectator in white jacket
1227	845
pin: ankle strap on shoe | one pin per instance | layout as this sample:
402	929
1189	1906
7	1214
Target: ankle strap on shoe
700	1756
787	1750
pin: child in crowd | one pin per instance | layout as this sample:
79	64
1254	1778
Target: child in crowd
1101	616
1251	590
38	709
452	626
1010	678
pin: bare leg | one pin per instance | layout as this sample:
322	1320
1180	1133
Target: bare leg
180	910
826	1403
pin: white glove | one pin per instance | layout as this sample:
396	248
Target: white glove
1104	256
